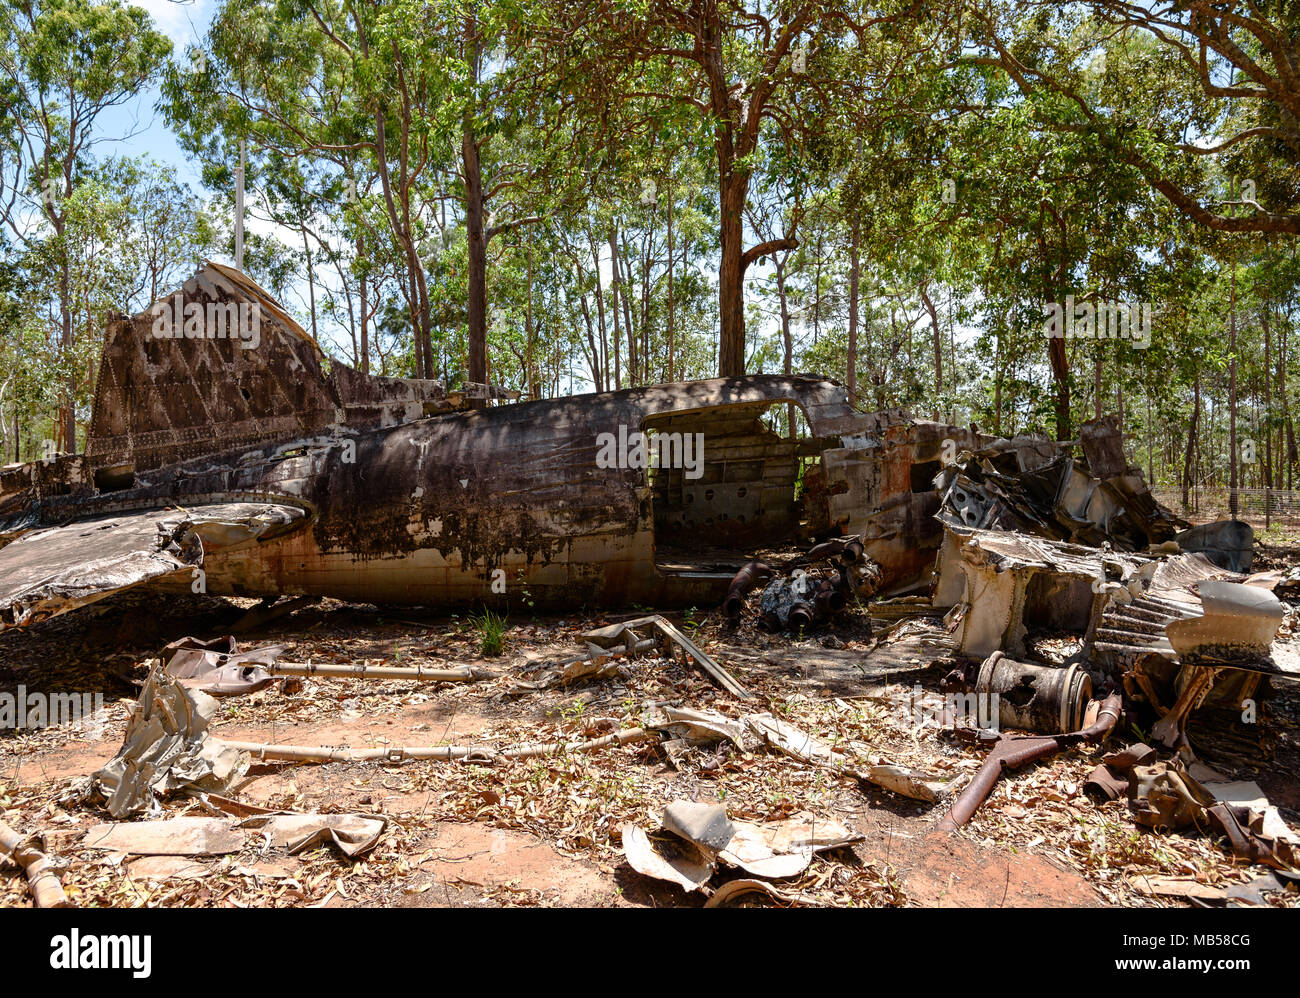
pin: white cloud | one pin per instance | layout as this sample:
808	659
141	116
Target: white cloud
183	21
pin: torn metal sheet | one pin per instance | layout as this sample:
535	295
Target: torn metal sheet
217	667
1228	544
1224	630
167	748
702	836
354	835
172	837
702	727
1005	583
1030	485
670	858
48	571
728	895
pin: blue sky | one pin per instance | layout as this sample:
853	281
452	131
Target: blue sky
184	23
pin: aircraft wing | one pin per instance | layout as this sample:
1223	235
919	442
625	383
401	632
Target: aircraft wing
51	570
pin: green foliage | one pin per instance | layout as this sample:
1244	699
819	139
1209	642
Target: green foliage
965	171
492	631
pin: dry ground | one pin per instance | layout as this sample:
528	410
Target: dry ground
545	831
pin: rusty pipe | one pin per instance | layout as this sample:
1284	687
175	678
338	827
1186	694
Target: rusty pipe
825	551
745	581
1012	753
24	851
801	615
830	600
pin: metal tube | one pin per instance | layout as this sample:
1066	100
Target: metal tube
1012	753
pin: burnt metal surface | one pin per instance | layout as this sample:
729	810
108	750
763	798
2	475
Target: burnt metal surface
404	502
1028	484
163	400
1007	583
49	571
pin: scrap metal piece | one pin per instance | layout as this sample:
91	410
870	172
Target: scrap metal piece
1042	698
217	667
47	572
167	748
354	835
1008	582
186	836
27	852
666	630
1030	485
703	835
702	727
1013	753
1237	623
728	893
1228	544
706	825
672	858
752	575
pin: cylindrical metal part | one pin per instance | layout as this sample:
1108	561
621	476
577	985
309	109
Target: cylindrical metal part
1043	698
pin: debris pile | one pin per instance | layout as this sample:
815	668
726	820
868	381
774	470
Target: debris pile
807	590
1028	485
1077	650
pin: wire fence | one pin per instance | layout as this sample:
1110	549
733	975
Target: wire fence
1214	503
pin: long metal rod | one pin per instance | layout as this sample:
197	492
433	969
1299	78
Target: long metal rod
437	753
459	674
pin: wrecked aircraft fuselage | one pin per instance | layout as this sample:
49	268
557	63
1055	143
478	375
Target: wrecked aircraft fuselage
212	465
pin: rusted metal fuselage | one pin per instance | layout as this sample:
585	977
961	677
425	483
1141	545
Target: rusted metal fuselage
256	467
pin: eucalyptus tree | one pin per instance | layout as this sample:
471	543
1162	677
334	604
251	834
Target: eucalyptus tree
739	72
64	64
1229	85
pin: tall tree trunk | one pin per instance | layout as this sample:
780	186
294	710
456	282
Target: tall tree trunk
311	280
530	336
851	362
1233	456
365	304
671	304
613	308
476	292
66	343
1193	434
633	357
731	272
1096	383
997	383
1288	429
938	352
1268	396
600	316
787	340
476	297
